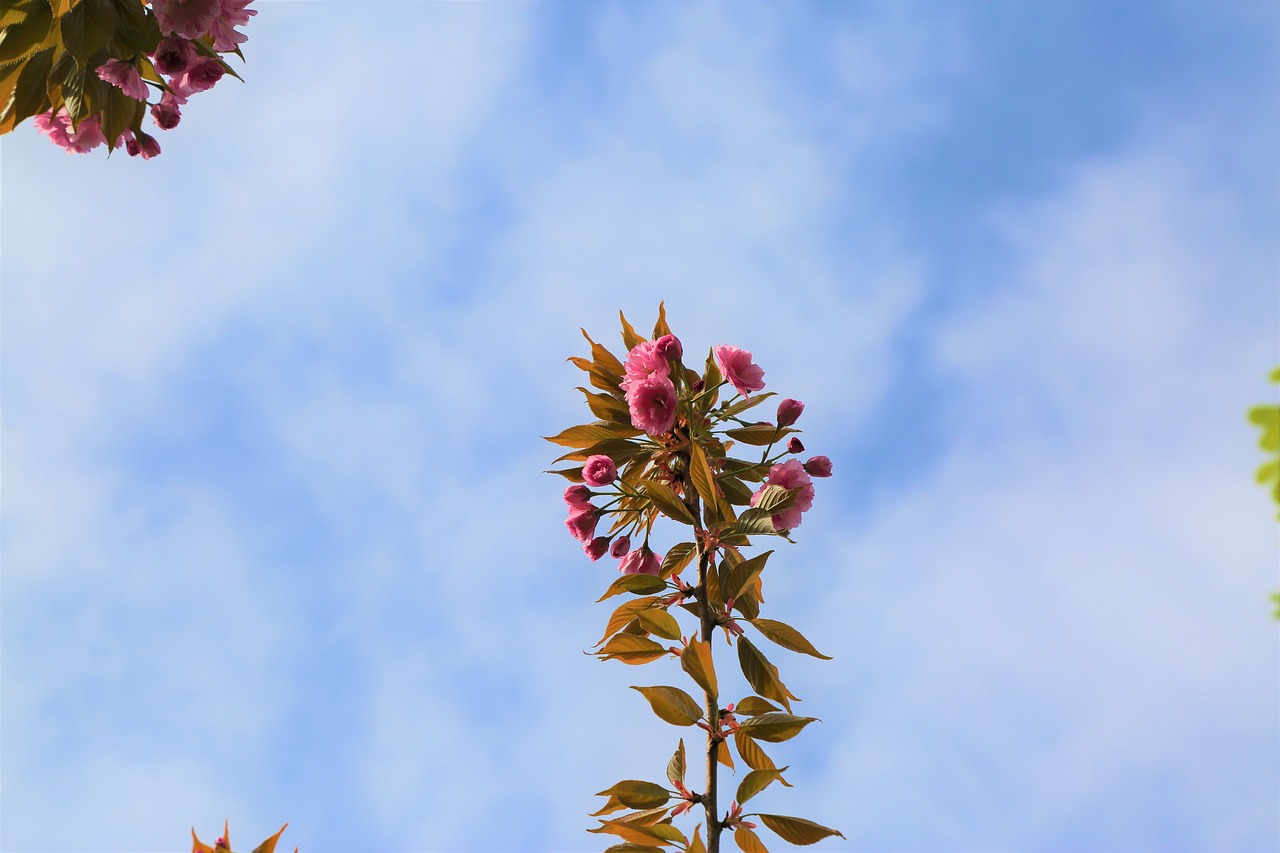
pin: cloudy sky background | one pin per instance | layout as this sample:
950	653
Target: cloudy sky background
276	544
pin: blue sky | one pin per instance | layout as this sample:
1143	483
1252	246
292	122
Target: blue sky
276	541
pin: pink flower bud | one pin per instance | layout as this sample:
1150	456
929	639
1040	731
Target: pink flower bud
166	114
599	470
203	74
668	346
620	546
698	385
174	56
794	445
641	562
596	547
818	466
582	522
576	495
147	146
789	412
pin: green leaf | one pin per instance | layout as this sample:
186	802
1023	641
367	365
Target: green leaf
755	782
120	113
696	660
742	574
635	794
625	614
631	650
620	450
774	499
30	92
797	830
666	500
748	841
660	623
87	28
755	522
1268	471
672	705
774	728
675	767
639	584
588	434
29	31
758	435
741	405
787	637
752	705
678	556
762	675
735	492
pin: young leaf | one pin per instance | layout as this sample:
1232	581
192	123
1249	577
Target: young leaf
607	360
678	556
748	841
702	479
661	328
631	650
774	728
759	435
752	754
735	492
742	574
639	584
724	756
696	660
755	782
588	434
659	622
607	408
613	805
629	336
624	614
675	767
269	846
635	794
797	830
628	847
672	705
87	28
762	675
753	705
666	500
774	498
787	637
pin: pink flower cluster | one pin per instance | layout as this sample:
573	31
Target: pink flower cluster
177	59
582	521
651	395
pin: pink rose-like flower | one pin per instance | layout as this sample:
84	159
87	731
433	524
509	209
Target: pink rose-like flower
788	475
174	56
166	114
620	546
736	366
599	470
203	74
668	346
75	140
789	412
187	18
643	362
582	522
575	496
642	561
232	14
653	405
595	548
818	466
124	76
794	445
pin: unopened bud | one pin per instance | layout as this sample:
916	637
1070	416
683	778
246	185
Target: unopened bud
596	547
789	412
620	546
818	466
668	346
794	445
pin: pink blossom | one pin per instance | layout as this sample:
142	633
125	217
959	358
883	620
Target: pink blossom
599	470
232	14
789	475
174	56
818	466
576	495
125	76
668	346
642	561
794	445
736	366
144	145
187	18
644	361
203	74
595	548
76	140
620	546
789	412
582	521
653	405
166	114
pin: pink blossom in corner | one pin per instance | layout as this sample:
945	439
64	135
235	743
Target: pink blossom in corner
582	522
174	55
642	561
788	475
232	14
203	74
644	361
145	145
75	140
595	548
55	127
166	114
599	470
789	411
187	18
652	404
125	76
736	366
620	546
668	346
818	466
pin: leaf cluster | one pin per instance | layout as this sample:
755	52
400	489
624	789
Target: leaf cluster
223	844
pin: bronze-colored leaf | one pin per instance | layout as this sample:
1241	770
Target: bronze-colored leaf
748	841
666	500
631	649
787	637
661	328
755	782
752	705
758	435
588	434
678	556
797	830
269	846
676	766
635	794
628	847
703	481
639	584
751	753
659	623
672	705
762	675
629	336
696	660
742	574
774	728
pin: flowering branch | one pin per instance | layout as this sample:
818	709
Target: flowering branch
660	449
